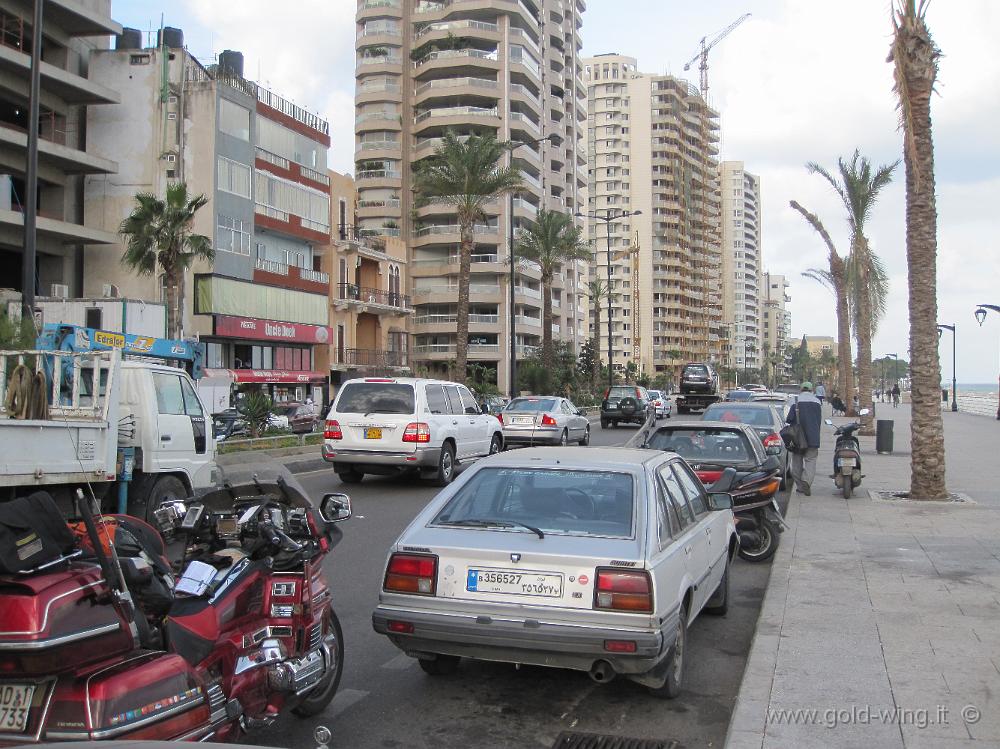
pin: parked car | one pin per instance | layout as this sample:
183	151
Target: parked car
384	426
789	388
661	403
754	387
492	404
739	395
625	404
299	417
780	401
513	563
228	424
543	420
766	420
699	377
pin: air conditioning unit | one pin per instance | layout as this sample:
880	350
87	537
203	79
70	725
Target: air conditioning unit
59	291
109	291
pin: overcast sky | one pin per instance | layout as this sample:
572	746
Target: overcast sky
801	80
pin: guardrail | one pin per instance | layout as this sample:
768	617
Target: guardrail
275	442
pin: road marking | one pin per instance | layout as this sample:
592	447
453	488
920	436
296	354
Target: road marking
344	700
400	662
318	470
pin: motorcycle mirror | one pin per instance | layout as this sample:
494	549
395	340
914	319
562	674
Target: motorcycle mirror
335	507
720	501
864	412
828	422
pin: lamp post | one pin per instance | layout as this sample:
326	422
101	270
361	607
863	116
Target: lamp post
747	350
981	312
514	145
609	216
954	377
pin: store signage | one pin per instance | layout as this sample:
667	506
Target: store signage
270	330
276	376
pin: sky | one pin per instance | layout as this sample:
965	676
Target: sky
801	80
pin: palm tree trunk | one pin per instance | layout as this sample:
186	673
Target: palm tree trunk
863	332
547	319
464	274
173	301
839	274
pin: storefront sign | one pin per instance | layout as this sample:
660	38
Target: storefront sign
270	330
275	376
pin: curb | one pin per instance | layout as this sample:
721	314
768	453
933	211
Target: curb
748	723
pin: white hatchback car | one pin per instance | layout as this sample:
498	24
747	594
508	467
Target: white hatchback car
383	426
581	558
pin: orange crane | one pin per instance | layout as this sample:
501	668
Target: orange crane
703	53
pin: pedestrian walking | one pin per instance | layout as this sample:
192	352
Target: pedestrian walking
821	394
806	416
895	395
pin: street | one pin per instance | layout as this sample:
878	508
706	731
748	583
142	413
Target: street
386	700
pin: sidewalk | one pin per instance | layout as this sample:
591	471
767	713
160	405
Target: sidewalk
881	623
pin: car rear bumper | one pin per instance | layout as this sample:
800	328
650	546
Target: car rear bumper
421	457
513	435
531	641
639	417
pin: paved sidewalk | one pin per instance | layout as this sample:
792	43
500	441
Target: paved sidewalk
881	623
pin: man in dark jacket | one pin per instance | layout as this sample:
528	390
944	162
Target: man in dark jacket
807	411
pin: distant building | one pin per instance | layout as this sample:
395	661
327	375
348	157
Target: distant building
777	319
817	344
741	265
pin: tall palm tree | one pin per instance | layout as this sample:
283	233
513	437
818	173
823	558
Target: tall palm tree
836	280
858	185
552	240
597	291
466	174
915	58
158	232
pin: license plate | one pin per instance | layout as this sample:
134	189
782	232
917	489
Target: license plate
522	420
15	707
373	433
848	462
519	583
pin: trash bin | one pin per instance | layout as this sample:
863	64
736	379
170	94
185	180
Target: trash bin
883	436
944	395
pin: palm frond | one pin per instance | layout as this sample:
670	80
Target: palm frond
824	277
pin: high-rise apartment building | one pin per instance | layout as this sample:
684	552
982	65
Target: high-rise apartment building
652	146
777	318
741	265
511	69
263	305
65	156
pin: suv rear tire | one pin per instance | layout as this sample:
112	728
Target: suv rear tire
446	465
350	477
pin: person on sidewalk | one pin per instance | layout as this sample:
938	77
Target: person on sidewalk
821	394
895	395
807	412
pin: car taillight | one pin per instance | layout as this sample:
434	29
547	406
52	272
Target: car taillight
607	393
623	590
332	430
500	418
417	431
411	573
548	421
638	395
772	440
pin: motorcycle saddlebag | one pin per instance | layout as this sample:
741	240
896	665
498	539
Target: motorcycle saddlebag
32	533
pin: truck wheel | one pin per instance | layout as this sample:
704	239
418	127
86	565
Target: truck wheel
166	489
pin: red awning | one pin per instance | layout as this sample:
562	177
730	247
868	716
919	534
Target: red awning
273	376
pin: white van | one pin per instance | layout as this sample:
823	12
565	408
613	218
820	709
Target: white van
383	426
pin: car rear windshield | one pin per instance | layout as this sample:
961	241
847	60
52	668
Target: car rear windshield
561	501
375	398
739	395
532	404
698	370
619	391
758	417
788	388
654	393
700	445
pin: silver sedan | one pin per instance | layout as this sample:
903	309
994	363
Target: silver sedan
543	420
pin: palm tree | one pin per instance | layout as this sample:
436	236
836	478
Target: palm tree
915	58
158	232
553	239
597	290
467	175
836	280
858	186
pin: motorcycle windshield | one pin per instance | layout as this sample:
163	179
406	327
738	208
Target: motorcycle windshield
256	479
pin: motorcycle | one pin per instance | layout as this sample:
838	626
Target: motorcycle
847	456
755	507
106	638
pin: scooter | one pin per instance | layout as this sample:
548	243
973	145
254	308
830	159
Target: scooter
847	456
105	638
755	507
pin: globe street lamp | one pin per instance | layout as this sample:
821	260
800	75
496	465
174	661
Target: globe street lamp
954	387
513	146
980	318
610	215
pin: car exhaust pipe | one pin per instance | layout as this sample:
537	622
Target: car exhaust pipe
602	672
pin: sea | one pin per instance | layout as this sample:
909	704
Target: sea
974	387
977	397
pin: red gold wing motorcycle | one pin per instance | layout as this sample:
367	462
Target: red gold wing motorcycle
102	636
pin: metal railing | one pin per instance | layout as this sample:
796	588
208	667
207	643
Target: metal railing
454	83
451	25
365	295
449	54
272	158
456	111
377	145
365	357
384	203
316	276
424	231
312	174
378	174
266	210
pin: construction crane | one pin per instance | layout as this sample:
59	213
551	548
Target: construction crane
703	54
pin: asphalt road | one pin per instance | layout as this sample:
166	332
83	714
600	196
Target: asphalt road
386	700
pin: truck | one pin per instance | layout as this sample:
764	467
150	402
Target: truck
108	413
699	388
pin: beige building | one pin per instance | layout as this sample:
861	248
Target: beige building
741	265
776	328
817	344
652	148
511	69
369	301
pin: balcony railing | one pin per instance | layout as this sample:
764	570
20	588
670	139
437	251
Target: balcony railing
377	145
280	269
272	158
378	174
365	295
380	4
380	60
449	348
452	319
367	357
456	112
455	82
424	231
383	203
450	54
453	25
312	174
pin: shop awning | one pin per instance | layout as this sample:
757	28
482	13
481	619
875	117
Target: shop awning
267	376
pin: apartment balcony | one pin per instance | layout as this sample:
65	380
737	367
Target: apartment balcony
376	301
463	86
368	359
449	234
448	293
446	323
379	9
378	208
51	152
465	28
441	351
521	121
433	267
377	121
52	227
370	178
445	117
378	150
272	273
522	321
381	64
71	88
457	58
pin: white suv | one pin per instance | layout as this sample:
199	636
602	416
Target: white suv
384	426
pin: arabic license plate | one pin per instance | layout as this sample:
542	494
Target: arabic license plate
373	433
515	583
851	462
15	707
522	420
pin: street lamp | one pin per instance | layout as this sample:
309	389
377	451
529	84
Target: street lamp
954	387
980	318
610	215
747	349
513	146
